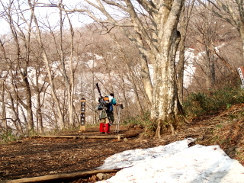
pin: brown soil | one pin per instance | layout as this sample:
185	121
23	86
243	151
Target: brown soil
39	156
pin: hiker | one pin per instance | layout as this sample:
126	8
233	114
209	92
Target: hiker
107	115
110	111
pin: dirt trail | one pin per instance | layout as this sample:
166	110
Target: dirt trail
44	156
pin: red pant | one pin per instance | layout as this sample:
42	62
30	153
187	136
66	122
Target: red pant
105	127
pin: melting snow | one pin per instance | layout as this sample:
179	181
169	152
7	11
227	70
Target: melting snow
175	163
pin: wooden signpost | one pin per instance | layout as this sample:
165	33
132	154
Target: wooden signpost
82	115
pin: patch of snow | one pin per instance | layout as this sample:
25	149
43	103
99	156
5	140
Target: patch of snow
175	163
91	63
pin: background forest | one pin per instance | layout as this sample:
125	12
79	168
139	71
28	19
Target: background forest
46	66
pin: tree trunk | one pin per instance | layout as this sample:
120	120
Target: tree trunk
242	38
5	125
166	105
187	11
68	85
15	110
94	103
141	111
123	90
180	69
210	66
39	111
28	106
146	79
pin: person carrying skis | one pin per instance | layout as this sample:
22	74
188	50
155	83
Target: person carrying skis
109	119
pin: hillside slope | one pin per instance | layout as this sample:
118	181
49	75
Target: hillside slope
224	129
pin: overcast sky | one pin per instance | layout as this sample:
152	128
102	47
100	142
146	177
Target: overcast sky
50	14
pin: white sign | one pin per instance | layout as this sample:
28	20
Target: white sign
241	72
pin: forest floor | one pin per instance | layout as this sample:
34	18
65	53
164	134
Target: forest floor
38	156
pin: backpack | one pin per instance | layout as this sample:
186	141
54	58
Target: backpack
103	102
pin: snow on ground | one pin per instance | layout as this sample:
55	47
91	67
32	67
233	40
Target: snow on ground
175	163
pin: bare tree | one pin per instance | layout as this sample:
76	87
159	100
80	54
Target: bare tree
155	34
22	56
3	78
128	60
231	11
206	27
70	84
15	109
39	88
69	80
210	39
46	62
184	24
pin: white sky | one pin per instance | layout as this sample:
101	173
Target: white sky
50	14
175	163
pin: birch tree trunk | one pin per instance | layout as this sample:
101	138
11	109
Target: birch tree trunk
166	104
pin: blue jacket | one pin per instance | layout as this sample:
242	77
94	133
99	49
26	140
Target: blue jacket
110	105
